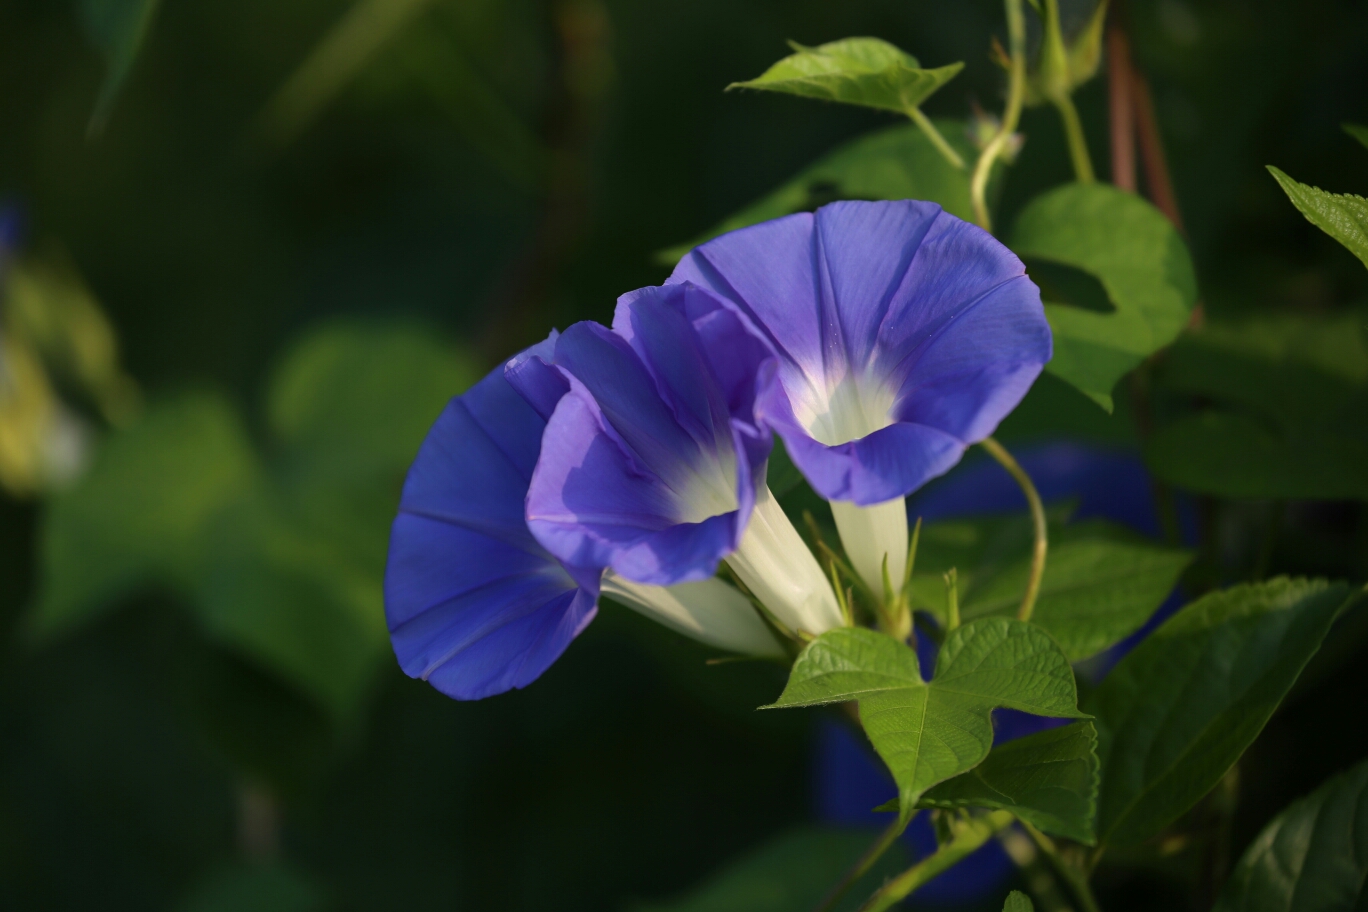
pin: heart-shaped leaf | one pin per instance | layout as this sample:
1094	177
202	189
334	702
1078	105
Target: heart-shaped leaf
1343	216
930	731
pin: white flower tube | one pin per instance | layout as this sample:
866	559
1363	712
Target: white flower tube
870	533
775	564
708	610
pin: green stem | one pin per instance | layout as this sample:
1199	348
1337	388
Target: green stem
1078	143
1076	879
1016	91
926	126
861	867
1042	542
976	831
952	614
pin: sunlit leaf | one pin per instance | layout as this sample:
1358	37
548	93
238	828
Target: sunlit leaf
858	71
1141	262
1311	858
791	874
928	732
1343	216
118	28
136	517
1284	408
894	163
1101	581
1049	779
1176	713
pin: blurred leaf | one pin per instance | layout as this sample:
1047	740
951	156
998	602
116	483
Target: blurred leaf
894	163
928	732
1343	216
253	888
347	47
1178	712
1358	131
1101	581
1048	779
858	71
118	28
781	475
1285	409
284	600
350	406
1311	858
136	517
1018	902
1141	261
790	874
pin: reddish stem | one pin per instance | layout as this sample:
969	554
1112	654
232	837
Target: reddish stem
1120	107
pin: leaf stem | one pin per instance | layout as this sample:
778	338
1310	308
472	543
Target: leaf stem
866	861
1042	544
1076	879
952	613
926	126
974	833
1078	143
1016	91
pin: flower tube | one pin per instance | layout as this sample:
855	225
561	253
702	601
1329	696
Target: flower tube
652	463
474	604
902	335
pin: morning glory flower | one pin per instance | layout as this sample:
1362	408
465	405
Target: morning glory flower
901	336
474	604
652	463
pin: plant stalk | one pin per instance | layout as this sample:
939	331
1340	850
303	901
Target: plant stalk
1078	143
1077	881
976	831
1042	544
866	861
1016	92
944	148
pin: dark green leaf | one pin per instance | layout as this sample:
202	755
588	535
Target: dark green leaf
1141	261
1358	131
259	887
858	71
292	605
136	516
1018	902
928	732
118	28
895	163
790	874
1176	713
1313	857
1343	216
1285	408
1048	779
1101	581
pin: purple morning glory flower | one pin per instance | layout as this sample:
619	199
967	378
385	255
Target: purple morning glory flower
474	604
652	463
902	335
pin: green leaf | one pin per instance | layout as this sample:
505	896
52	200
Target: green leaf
135	518
1358	131
891	164
1018	902
259	887
1176	713
858	71
1048	779
1101	582
284	599
118	28
1343	216
1141	261
790	874
928	732
1284	408
1311	858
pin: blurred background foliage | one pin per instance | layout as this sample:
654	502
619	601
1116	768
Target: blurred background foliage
250	249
